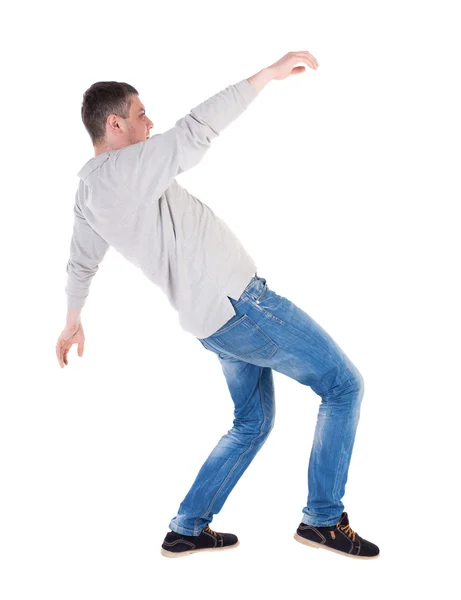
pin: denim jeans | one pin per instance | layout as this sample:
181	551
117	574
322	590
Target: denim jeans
268	332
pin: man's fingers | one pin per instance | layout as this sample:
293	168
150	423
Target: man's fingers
58	354
311	59
310	56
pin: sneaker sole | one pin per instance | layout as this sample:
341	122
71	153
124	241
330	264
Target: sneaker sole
169	554
302	540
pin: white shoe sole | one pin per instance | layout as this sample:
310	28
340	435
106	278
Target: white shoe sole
169	554
302	540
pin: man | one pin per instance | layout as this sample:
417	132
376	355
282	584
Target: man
128	198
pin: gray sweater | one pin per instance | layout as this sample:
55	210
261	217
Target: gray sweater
129	199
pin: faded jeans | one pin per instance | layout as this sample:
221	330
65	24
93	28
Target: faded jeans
270	332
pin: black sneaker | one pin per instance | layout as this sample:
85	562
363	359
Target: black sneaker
338	538
177	544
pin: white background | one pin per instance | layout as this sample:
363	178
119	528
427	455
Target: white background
343	185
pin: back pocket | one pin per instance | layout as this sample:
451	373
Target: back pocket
245	339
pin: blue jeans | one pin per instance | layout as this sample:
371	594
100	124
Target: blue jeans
270	332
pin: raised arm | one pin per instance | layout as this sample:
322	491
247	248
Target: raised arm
149	167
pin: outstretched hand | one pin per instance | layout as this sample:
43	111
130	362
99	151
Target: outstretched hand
284	67
69	336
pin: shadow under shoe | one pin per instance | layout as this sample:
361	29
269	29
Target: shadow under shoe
177	544
340	538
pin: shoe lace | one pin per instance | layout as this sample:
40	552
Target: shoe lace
348	531
208	530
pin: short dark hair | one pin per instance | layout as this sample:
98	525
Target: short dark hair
102	99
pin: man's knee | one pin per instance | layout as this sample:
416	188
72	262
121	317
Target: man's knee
255	430
267	427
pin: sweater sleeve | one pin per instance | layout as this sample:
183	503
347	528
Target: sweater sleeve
87	249
149	167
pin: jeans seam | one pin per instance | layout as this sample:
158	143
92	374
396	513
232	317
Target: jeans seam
340	463
207	512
